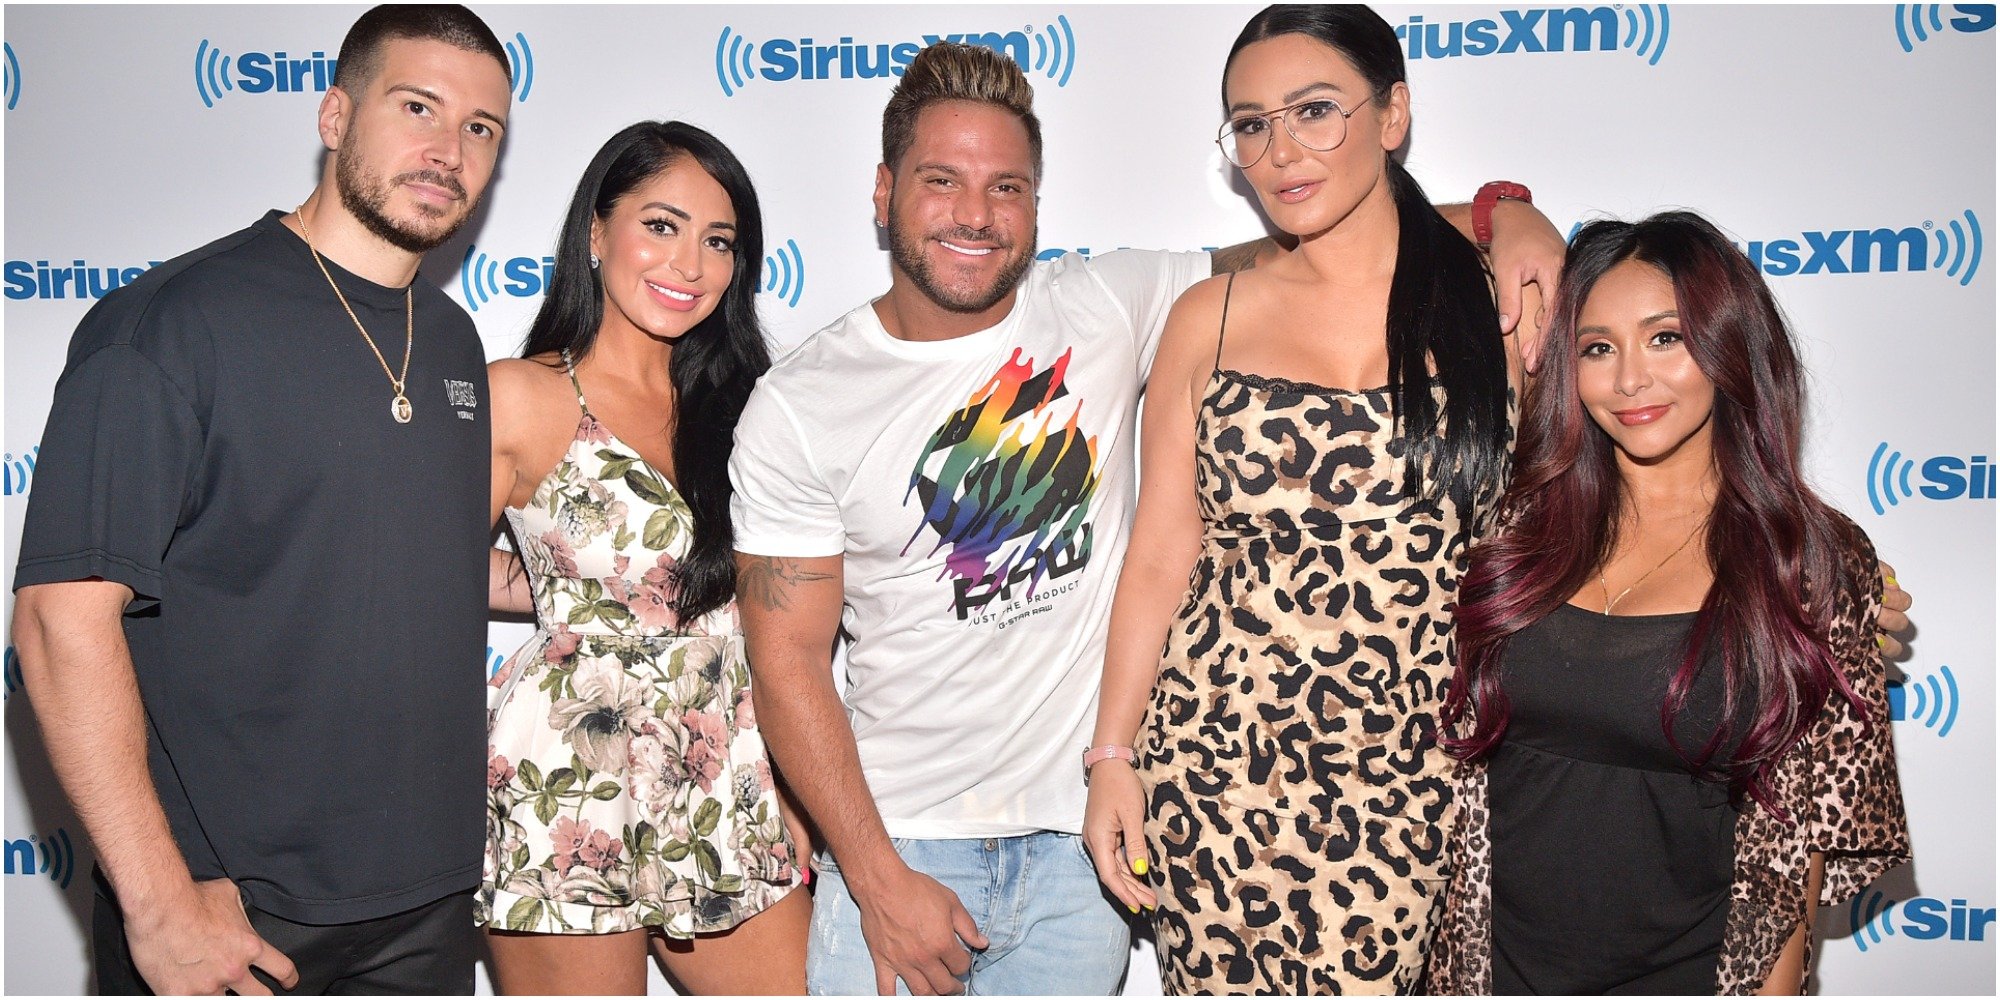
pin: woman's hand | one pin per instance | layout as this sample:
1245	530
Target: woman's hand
1892	620
799	830
1527	250
1114	829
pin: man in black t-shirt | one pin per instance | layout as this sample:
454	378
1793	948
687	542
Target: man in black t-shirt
252	581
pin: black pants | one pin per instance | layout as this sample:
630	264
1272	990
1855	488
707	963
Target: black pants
426	951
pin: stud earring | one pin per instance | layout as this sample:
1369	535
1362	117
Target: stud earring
593	262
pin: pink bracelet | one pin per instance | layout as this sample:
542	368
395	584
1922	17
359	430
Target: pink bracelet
1108	752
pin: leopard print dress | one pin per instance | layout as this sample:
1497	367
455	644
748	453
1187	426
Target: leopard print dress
1297	801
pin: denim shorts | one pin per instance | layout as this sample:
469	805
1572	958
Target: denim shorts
1049	925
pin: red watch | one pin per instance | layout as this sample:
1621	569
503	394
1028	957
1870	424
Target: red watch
1489	195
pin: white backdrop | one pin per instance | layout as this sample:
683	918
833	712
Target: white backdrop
1851	149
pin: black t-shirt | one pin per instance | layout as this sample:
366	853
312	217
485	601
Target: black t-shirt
310	575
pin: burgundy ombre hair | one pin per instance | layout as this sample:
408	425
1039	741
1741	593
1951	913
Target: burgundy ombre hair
1772	543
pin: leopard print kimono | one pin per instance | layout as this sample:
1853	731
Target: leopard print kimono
1840	783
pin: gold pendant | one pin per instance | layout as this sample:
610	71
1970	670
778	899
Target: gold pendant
400	408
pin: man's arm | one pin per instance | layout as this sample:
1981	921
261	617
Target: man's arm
186	937
1244	256
790	609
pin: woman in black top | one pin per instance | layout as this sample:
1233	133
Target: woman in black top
1668	687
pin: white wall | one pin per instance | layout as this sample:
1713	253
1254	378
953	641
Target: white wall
1798	124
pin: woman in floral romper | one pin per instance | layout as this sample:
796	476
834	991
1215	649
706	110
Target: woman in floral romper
630	803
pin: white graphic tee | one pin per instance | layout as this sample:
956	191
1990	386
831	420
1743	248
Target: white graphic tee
980	490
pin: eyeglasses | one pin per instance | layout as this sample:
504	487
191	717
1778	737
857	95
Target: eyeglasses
1318	124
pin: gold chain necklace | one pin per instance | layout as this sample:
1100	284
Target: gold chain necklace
1611	602
399	407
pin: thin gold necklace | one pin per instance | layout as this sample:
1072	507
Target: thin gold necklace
399	407
1611	602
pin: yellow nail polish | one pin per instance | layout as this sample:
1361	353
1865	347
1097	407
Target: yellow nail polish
1881	643
1893	583
1129	906
1139	866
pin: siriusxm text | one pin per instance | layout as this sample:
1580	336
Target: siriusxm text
1549	29
78	279
804	59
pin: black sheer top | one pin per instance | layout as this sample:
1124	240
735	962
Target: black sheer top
1611	861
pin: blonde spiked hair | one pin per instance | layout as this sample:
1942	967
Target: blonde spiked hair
954	71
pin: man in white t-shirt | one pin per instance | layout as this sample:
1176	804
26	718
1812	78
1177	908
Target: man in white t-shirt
946	475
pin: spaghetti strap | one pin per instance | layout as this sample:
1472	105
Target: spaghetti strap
569	367
1223	329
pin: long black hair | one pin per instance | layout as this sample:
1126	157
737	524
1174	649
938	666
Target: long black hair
714	365
1441	308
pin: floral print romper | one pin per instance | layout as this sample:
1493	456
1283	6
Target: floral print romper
627	784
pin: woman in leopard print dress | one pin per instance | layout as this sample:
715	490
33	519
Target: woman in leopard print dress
1301	545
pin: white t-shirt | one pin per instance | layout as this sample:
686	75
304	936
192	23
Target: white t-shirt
980	490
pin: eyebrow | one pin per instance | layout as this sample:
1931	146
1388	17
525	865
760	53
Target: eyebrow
945	168
432	97
1648	321
1291	98
680	213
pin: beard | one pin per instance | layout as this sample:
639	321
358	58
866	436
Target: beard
366	196
907	252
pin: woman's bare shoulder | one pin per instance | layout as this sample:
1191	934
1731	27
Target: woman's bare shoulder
526	379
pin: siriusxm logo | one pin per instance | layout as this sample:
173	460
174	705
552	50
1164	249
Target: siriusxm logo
1931	703
13	77
1955	249
80	279
493	661
785	273
1945	477
279	72
1875	917
13	673
1049	50
480	277
1917	22
1545	29
483	277
51	855
15	474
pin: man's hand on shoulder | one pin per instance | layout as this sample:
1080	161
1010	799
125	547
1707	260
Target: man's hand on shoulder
204	945
914	927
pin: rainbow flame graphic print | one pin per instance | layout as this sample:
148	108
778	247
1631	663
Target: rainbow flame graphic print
1006	484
